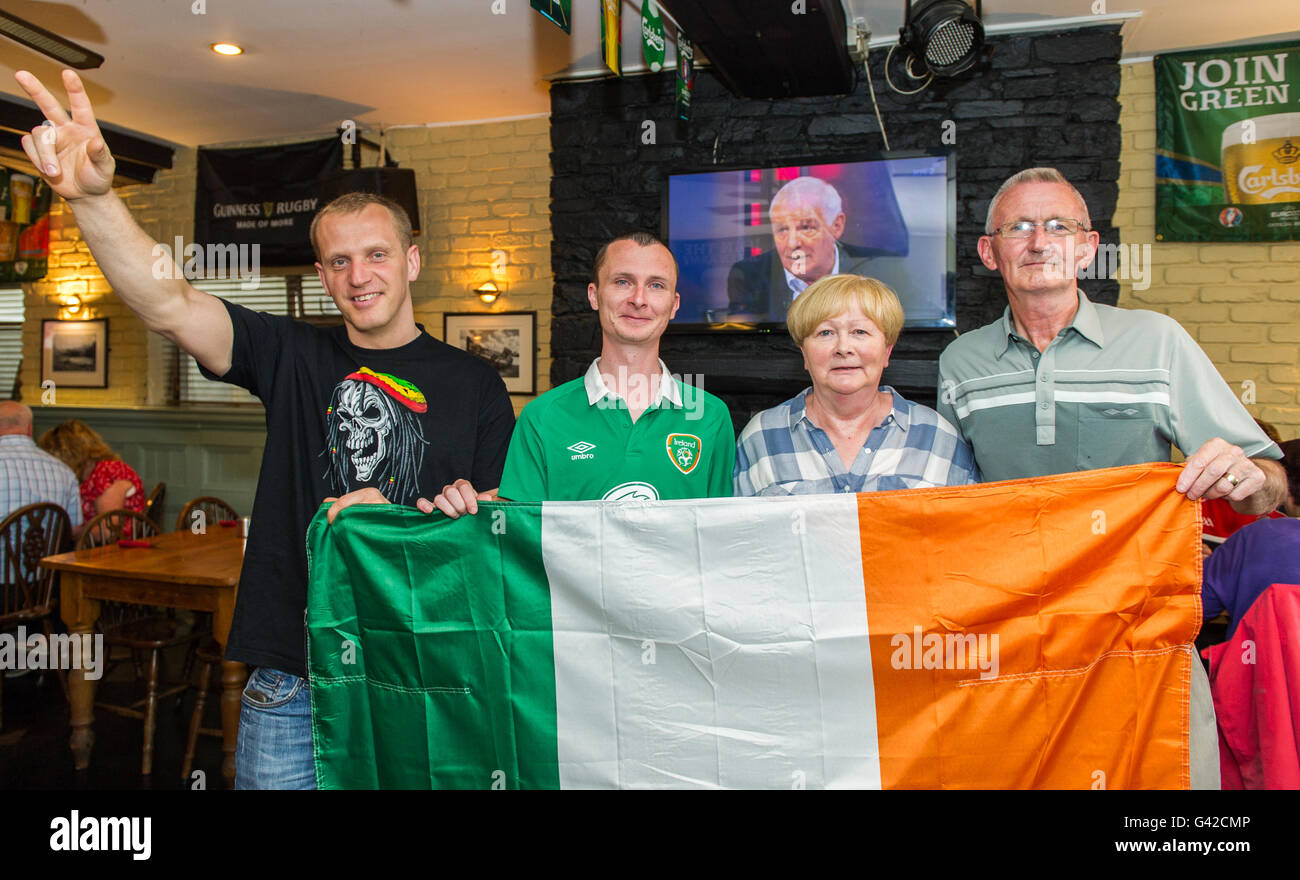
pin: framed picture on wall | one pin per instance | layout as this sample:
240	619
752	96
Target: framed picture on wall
74	354
506	340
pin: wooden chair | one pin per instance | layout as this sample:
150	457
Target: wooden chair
26	590
153	505
138	628
208	654
214	511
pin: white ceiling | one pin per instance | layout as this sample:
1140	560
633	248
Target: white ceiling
309	64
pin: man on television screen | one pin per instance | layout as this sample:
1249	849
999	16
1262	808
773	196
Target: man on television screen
807	217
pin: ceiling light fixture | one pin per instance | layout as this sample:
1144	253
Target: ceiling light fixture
943	36
41	40
226	49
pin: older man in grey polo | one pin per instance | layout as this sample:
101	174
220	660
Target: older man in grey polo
1062	384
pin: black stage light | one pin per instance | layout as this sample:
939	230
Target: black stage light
943	36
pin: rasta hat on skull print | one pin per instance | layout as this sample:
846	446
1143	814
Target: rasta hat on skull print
399	389
374	437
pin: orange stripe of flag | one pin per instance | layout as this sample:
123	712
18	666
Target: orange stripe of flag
1082	592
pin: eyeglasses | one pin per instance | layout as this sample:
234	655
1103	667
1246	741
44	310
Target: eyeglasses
1054	226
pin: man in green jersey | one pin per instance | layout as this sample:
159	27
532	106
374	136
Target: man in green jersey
627	429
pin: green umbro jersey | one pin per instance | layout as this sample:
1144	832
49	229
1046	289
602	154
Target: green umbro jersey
567	449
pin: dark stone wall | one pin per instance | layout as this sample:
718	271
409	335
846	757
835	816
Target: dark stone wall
1037	99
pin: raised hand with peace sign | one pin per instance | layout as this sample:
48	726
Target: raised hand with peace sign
67	150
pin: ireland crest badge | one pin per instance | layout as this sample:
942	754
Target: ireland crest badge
684	450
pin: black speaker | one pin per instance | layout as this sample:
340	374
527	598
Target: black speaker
397	184
771	48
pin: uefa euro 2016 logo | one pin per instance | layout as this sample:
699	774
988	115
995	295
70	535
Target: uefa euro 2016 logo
1230	217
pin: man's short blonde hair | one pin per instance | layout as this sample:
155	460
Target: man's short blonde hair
1034	175
355	203
836	294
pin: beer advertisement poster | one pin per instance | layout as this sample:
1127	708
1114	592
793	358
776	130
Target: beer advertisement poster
1228	144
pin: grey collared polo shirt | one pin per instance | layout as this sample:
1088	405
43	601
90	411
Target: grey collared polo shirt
1115	387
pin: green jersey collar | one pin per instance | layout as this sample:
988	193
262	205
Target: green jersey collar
597	390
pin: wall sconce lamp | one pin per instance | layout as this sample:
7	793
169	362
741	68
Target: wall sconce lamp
72	305
488	292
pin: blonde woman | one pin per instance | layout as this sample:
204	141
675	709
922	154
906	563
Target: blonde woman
847	433
107	482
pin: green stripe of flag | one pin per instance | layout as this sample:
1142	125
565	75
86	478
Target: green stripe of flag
430	640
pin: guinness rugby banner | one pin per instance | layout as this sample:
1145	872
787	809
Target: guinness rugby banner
265	196
1228	144
1026	634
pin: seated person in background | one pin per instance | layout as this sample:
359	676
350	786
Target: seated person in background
29	475
1253	559
107	482
847	433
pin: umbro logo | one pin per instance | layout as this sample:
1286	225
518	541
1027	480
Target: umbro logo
581	449
1119	412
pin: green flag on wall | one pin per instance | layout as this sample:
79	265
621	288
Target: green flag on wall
1228	144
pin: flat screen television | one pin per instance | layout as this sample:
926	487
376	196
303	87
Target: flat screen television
748	239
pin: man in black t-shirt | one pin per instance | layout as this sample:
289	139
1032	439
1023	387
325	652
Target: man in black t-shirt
370	411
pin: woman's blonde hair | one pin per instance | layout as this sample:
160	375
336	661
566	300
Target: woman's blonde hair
834	294
75	443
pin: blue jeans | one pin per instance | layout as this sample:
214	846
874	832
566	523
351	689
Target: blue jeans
275	746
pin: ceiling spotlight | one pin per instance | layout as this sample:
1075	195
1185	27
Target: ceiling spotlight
226	49
943	36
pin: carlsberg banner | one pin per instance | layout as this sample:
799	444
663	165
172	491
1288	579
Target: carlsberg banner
1028	634
1228	144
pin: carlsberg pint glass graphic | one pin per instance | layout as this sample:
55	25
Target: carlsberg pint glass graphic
1268	170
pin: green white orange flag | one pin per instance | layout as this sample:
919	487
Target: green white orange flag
1027	634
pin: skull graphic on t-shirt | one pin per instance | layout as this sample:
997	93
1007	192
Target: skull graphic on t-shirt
374	435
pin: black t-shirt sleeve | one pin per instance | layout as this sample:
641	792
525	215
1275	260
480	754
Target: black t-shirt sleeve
259	342
496	423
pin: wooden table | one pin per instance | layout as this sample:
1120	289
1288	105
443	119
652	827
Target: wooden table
181	570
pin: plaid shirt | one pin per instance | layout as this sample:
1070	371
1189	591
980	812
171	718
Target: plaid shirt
30	475
781	452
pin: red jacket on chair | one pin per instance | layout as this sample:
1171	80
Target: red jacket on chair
1255	680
